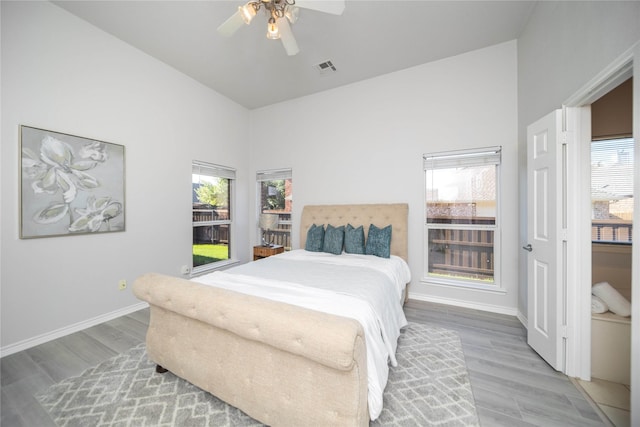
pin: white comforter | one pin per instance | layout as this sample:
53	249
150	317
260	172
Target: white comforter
363	287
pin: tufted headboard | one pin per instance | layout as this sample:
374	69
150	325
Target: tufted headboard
380	215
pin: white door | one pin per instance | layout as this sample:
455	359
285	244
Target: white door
545	239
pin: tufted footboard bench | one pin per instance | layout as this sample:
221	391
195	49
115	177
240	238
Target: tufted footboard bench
282	365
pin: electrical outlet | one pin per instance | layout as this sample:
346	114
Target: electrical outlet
122	284
185	269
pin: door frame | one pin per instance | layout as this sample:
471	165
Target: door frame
577	131
578	126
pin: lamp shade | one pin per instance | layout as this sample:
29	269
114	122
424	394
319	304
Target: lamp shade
272	30
268	221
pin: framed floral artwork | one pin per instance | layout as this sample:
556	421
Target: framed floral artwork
69	184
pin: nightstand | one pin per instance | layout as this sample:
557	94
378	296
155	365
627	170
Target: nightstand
260	252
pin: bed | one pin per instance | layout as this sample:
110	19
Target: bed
278	337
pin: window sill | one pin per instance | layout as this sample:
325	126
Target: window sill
221	265
463	285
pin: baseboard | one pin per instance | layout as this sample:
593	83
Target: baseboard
465	304
58	333
523	319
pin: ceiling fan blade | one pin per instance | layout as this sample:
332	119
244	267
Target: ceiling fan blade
231	25
286	35
334	7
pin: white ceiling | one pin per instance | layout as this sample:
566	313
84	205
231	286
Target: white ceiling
369	39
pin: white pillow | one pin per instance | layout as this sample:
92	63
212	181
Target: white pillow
616	302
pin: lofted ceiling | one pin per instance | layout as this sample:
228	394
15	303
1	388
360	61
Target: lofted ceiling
369	39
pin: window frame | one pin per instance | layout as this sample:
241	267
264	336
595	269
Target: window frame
271	175
225	172
447	160
607	223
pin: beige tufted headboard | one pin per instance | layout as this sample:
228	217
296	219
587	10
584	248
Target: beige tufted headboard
380	215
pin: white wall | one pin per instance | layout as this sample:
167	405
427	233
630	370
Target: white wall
62	74
363	143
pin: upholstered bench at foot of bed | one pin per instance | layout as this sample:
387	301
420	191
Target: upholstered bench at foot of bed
248	352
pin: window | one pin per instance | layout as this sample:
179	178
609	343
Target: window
212	187
462	217
612	190
274	206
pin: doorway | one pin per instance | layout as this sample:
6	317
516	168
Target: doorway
612	197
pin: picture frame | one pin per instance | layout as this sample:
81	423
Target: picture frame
69	184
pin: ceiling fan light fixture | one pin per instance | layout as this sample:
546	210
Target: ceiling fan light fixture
281	13
248	11
273	32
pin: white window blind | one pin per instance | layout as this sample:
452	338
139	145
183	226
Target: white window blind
463	158
209	169
273	175
612	192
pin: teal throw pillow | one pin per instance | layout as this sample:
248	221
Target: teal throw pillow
354	240
333	239
315	238
379	241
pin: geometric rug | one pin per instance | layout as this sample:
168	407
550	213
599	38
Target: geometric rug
429	387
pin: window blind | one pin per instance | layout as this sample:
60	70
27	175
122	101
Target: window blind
209	169
612	192
273	175
462	158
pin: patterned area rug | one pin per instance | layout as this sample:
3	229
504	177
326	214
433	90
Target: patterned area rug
429	387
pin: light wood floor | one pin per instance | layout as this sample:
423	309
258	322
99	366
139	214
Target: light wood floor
512	386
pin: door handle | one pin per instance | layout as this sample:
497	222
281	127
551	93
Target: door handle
528	247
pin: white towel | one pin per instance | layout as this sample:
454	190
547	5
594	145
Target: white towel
598	306
616	302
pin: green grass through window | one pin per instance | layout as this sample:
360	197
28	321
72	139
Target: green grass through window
208	253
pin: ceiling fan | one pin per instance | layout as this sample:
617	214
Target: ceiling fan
281	13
